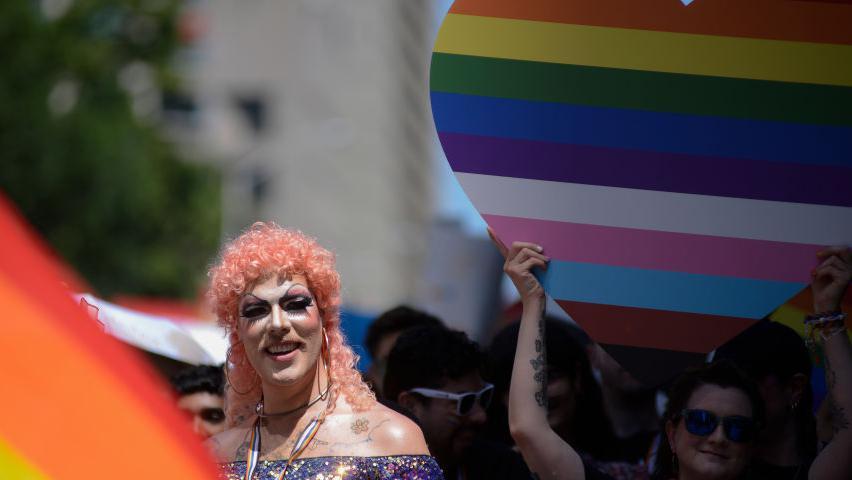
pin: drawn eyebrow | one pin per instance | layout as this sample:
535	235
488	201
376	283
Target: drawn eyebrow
287	295
251	295
296	285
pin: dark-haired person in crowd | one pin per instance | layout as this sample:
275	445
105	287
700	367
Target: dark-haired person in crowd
711	421
714	413
613	424
434	372
778	359
630	406
200	393
575	405
381	337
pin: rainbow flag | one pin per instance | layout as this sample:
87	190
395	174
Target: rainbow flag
681	164
77	404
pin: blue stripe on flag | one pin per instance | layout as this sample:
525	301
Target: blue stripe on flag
642	130
661	290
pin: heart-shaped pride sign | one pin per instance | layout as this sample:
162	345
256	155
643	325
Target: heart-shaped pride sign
681	162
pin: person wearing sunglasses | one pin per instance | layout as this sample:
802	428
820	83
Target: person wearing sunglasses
434	373
711	421
714	414
465	401
709	424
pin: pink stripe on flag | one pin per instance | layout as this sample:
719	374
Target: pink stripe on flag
655	250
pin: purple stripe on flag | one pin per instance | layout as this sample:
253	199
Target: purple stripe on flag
655	250
669	172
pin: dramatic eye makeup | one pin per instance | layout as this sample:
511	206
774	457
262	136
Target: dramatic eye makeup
253	307
293	303
296	300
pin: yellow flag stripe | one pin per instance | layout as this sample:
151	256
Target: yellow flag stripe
14	465
736	57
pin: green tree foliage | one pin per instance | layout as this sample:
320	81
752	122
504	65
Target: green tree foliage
98	180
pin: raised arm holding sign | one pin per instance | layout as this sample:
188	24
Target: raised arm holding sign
714	432
827	326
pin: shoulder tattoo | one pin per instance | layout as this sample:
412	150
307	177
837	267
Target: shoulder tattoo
360	425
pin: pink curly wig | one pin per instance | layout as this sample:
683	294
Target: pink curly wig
264	250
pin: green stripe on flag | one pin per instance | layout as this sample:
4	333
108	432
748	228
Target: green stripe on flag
642	90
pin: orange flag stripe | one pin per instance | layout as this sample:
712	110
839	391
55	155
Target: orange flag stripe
26	261
69	414
78	400
819	22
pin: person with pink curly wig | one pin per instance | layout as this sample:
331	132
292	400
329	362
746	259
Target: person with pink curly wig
296	405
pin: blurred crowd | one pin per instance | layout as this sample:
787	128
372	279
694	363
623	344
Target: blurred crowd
749	412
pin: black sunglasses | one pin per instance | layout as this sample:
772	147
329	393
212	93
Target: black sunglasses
737	428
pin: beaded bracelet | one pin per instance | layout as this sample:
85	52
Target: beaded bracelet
825	318
826	324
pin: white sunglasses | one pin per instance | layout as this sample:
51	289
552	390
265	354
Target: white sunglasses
465	401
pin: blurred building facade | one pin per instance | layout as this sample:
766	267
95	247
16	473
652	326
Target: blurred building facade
318	113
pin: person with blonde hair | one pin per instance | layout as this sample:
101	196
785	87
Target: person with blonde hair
296	406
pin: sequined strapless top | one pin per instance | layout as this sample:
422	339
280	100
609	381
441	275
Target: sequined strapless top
419	467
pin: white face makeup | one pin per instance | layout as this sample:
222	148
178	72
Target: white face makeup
281	329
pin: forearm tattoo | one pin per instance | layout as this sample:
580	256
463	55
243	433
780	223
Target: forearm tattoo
539	365
839	421
531	283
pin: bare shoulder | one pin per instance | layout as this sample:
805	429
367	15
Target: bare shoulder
399	435
378	431
230	445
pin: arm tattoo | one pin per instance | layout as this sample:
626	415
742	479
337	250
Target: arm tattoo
540	367
838	418
837	413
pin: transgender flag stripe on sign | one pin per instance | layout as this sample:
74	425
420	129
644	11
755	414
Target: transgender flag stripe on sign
681	169
652	210
652	249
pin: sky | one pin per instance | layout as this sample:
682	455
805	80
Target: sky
451	200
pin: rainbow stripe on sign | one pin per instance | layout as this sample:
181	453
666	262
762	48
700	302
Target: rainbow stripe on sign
681	164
